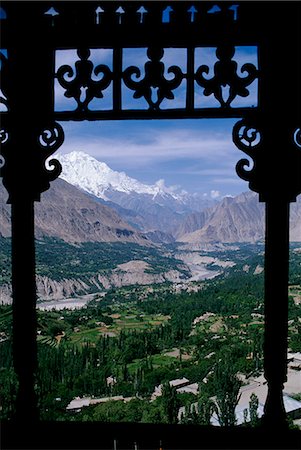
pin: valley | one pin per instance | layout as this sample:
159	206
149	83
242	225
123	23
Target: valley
77	271
113	351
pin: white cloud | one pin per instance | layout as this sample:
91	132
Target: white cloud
153	145
214	194
229	180
169	189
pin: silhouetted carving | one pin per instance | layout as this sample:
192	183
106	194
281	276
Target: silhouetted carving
3	136
248	139
154	78
50	139
82	87
225	73
3	141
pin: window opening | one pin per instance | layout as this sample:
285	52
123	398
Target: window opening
166	15
2	14
233	89
147	152
193	11
142	12
120	12
52	12
234	8
83	80
98	13
215	9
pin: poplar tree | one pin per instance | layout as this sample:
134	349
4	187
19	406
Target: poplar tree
227	387
170	403
253	407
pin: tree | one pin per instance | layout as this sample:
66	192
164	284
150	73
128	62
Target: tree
170	403
227	387
206	408
153	412
253	406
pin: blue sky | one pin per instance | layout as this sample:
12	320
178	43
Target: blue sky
194	155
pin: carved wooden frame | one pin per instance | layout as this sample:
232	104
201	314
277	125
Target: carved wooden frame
268	133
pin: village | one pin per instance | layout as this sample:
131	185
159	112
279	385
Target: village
251	386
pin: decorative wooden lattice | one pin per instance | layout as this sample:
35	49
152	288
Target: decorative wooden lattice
267	131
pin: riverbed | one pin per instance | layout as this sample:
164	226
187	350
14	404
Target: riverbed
65	303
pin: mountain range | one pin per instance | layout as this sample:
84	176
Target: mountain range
91	202
70	214
146	207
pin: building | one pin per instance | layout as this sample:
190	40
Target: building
78	403
178	383
259	387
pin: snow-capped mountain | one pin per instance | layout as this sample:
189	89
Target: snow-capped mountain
97	177
146	207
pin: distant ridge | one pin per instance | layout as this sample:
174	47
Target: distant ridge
67	213
235	219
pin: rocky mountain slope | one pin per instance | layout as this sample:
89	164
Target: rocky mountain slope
193	222
131	273
109	206
295	221
157	208
238	219
127	274
67	213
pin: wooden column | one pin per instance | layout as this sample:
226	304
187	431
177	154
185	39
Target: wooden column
24	304
30	110
279	184
276	309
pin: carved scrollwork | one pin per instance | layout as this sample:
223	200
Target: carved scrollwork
248	139
82	87
297	137
225	74
154	78
50	139
3	136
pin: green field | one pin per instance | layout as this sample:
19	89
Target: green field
124	322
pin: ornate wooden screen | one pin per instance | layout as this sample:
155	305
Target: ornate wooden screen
267	132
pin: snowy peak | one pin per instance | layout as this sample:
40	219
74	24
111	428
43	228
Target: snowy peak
145	207
96	177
